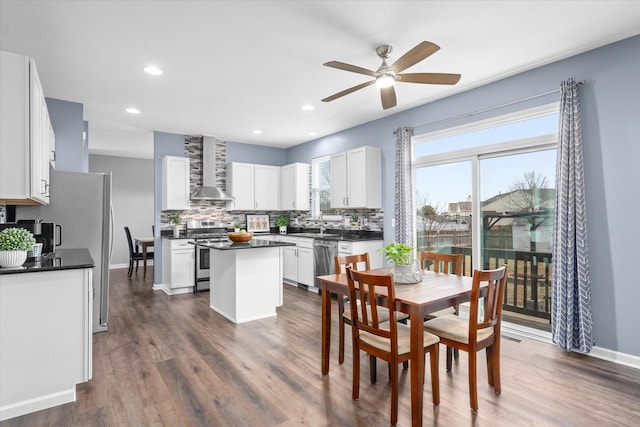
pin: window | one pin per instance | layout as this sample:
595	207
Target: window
487	190
320	186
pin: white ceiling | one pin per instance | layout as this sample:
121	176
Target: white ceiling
234	66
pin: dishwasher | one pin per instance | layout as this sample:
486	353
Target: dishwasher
323	253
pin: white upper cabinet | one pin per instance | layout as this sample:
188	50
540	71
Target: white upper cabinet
267	187
294	187
356	179
255	187
240	185
175	183
25	134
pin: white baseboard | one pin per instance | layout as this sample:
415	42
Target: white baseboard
615	357
518	331
116	266
167	290
37	404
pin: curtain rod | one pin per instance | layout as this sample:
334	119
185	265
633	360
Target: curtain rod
495	107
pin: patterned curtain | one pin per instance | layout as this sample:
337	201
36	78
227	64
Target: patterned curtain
404	187
571	324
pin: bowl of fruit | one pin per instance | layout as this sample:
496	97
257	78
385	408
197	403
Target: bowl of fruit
241	236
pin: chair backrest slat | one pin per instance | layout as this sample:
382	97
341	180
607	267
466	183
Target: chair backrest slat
446	259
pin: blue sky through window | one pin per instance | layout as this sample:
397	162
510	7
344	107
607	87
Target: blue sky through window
442	184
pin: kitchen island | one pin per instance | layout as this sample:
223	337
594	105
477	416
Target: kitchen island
46	312
246	280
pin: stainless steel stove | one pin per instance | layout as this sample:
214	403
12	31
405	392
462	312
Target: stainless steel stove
204	232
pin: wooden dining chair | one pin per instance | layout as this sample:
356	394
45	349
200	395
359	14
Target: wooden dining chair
437	262
134	255
388	340
358	262
477	332
441	262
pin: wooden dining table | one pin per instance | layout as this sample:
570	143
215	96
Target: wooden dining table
144	243
435	292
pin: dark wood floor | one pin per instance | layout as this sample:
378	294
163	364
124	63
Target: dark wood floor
172	361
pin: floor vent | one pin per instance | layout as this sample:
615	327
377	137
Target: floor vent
518	340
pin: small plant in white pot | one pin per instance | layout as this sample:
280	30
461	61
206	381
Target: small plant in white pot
401	255
282	221
236	227
14	245
176	220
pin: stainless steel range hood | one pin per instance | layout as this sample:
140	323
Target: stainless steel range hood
209	191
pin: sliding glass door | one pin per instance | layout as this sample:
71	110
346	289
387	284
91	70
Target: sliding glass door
491	198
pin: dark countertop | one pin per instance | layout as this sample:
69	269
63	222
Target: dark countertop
62	259
342	235
254	243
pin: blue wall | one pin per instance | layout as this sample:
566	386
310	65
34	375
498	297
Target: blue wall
68	124
611	134
248	153
164	144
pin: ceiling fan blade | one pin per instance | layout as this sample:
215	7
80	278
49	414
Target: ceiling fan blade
415	55
348	91
388	95
429	78
348	67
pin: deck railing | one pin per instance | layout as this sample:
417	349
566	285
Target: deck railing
529	278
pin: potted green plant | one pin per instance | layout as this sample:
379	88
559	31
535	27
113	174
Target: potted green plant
401	255
14	244
236	226
175	219
282	221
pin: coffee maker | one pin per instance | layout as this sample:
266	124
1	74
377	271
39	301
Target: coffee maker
47	233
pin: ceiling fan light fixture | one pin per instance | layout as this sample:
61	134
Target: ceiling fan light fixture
153	70
384	81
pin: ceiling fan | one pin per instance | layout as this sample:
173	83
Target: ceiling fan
386	75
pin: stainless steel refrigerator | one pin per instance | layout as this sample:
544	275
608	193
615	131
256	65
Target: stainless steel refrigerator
81	204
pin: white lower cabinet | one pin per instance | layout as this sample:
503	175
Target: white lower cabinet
45	338
178	266
290	272
298	262
372	247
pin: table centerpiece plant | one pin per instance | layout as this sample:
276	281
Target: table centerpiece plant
176	220
282	221
401	256
14	245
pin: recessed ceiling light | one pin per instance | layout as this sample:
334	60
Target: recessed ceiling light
313	133
257	132
132	110
153	70
308	107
